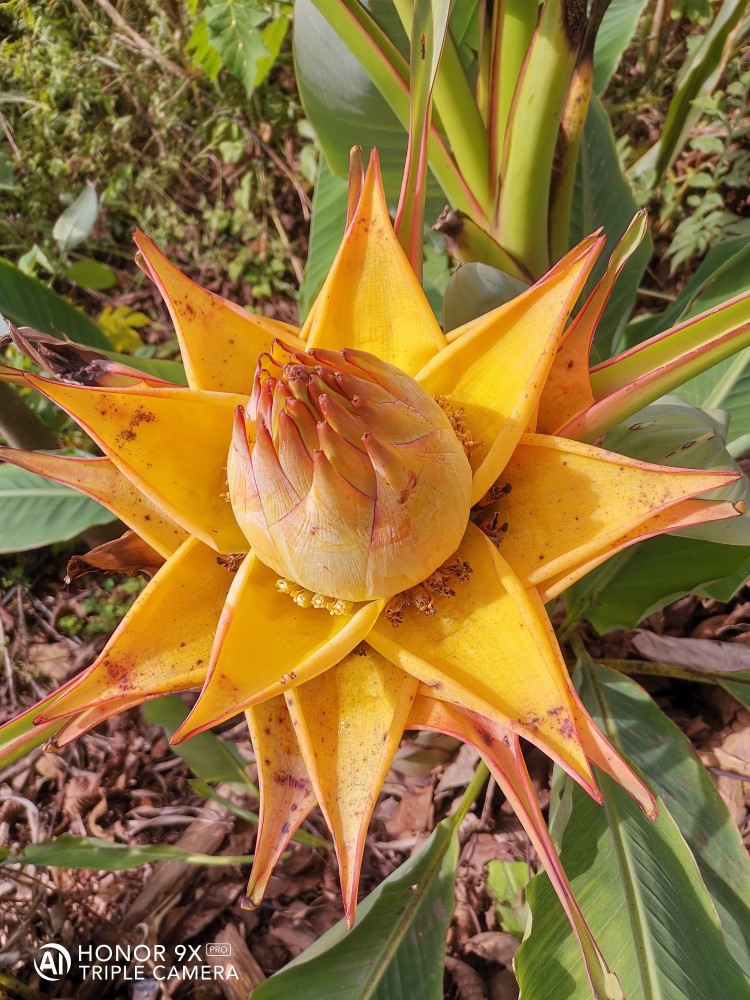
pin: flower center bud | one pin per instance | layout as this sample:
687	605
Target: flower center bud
356	485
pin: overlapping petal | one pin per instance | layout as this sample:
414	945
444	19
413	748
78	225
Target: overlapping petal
371	299
286	792
459	654
219	341
349	722
495	368
171	443
100	479
569	501
568	391
266	643
685	514
162	645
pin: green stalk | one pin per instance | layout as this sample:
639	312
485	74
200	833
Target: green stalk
572	125
482	88
533	124
389	72
466	241
473	789
511	31
427	36
459	115
463	124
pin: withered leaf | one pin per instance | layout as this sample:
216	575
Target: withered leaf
127	554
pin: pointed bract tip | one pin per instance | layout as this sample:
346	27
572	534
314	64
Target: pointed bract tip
650	807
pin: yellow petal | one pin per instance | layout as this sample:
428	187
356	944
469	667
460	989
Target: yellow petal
568	389
286	794
598	748
371	299
496	367
570	501
76	725
501	751
487	650
99	478
163	644
349	722
265	644
172	444
220	342
685	514
12	375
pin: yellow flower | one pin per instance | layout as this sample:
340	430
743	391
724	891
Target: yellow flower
387	473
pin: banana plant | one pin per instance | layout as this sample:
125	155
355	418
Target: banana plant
386	508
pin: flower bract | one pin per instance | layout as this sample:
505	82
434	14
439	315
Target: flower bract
358	526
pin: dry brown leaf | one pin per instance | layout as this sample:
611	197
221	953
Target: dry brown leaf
709	655
503	986
79	795
414	812
127	554
53	659
494	946
460	772
468	982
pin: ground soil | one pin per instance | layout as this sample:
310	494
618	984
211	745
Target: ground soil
121	782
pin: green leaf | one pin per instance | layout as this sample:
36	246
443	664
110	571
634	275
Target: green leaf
475	289
396	946
636	880
699	75
7	183
28	302
208	757
726	386
671	432
506	883
647	576
395	949
344	104
436	272
721	275
77	221
68	851
234	31
36	511
650	739
617	28
326	230
603	197
205	56
429	24
172	371
91	274
273	36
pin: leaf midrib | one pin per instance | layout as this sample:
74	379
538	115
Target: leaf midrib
633	897
402	924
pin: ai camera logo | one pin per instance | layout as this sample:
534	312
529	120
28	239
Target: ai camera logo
53	962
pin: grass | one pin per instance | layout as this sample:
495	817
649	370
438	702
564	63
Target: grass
189	160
